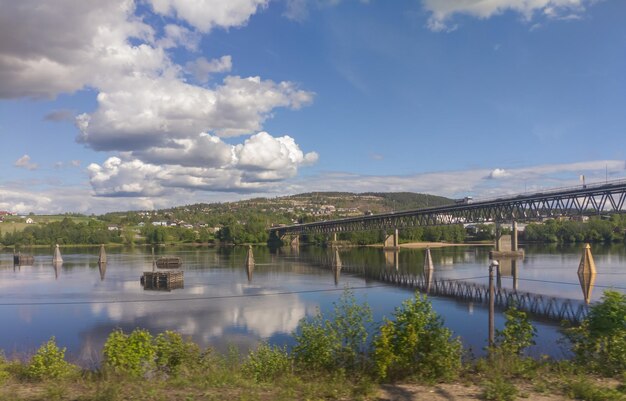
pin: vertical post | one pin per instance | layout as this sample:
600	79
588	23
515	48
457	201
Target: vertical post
514	236
492	265
396	239
497	234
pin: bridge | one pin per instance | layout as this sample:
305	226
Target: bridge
583	200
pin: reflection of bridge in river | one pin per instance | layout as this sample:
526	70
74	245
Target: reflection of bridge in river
539	306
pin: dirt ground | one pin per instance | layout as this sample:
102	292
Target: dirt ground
450	392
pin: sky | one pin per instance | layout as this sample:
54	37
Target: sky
112	105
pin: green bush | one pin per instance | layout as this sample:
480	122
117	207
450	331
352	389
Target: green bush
518	333
599	343
499	389
174	353
4	372
336	343
416	342
267	363
583	389
49	362
133	354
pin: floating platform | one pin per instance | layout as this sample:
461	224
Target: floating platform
169	262
164	281
23	260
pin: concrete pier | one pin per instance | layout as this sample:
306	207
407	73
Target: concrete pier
392	241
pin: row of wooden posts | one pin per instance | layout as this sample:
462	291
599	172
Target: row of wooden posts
57	259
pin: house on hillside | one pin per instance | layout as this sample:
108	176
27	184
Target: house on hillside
30	221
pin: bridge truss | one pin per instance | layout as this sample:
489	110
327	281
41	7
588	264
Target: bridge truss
596	199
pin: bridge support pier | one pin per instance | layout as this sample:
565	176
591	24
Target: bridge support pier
392	241
506	246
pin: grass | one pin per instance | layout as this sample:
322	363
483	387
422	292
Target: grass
10	226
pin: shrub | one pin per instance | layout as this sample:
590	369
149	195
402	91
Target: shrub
583	389
133	354
336	343
416	342
315	344
49	362
599	343
498	389
173	352
4	374
267	363
518	333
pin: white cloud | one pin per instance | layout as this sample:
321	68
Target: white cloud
201	68
498	173
40	57
296	10
176	35
204	163
208	14
442	11
165	108
24	162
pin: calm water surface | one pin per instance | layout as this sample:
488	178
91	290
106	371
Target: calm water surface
222	304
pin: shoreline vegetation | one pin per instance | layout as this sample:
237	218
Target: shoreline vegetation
341	356
247	227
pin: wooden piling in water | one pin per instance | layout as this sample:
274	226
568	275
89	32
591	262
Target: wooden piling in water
102	259
57	259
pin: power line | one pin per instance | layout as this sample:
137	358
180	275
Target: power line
127	301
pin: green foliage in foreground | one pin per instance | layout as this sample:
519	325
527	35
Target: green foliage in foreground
49	363
416	343
599	343
140	354
267	363
336	343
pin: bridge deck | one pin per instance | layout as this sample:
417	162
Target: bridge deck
594	199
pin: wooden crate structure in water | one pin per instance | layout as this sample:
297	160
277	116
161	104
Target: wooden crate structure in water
23	260
169	262
164	281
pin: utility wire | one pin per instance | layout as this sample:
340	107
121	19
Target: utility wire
126	301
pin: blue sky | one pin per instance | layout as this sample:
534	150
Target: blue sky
120	104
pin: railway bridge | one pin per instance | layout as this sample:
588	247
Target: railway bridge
583	200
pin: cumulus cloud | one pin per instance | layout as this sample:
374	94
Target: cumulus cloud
442	11
201	68
498	173
164	108
24	162
208	14
176	35
40	57
204	163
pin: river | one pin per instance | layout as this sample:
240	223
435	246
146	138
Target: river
222	303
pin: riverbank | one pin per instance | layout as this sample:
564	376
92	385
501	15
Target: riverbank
218	384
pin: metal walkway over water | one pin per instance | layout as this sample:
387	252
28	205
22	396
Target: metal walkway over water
586	200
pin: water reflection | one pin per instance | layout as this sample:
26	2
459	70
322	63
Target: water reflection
224	300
